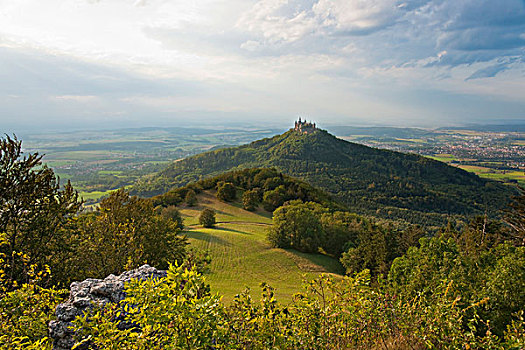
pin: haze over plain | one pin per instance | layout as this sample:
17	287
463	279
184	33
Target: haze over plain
103	64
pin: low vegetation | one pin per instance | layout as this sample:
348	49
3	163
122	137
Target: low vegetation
179	312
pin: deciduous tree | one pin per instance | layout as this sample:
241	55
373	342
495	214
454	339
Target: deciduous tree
250	199
124	233
226	192
35	212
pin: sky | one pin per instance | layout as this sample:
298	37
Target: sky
129	63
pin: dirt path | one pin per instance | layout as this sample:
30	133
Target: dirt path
236	222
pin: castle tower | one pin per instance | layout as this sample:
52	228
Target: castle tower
304	126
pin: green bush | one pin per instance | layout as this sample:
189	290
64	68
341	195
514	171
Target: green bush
207	218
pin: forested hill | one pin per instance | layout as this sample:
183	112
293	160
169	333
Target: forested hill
370	181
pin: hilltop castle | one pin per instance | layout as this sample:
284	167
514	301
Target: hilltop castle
304	126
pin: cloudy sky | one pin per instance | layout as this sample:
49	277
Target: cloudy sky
107	63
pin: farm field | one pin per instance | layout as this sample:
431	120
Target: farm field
495	174
241	257
492	152
103	160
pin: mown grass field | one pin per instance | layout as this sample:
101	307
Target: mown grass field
242	258
444	157
493	174
484	171
95	195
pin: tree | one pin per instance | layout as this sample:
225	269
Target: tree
341	229
496	273
124	233
191	198
207	218
515	218
479	235
297	226
171	212
35	214
274	198
250	199
226	192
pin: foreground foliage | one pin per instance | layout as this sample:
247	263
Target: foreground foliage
179	312
26	310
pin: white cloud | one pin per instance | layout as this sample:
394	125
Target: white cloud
76	98
276	23
356	15
275	56
251	45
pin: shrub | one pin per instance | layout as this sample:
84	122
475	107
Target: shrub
179	312
207	218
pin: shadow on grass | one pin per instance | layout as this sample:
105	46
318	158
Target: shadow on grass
203	236
316	262
226	229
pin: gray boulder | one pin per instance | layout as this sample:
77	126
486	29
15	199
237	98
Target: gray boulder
85	294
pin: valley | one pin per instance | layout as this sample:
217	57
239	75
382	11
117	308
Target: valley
100	161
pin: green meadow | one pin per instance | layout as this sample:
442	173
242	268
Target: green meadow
446	158
241	256
94	195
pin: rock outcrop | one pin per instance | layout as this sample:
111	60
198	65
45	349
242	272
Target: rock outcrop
85	294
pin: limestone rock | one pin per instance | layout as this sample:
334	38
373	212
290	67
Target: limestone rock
83	295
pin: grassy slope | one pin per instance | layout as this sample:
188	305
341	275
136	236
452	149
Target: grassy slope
241	257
